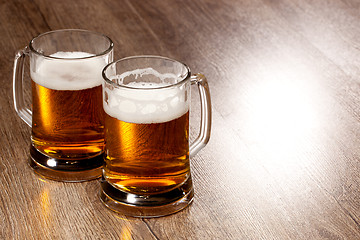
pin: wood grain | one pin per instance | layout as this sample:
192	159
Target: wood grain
283	161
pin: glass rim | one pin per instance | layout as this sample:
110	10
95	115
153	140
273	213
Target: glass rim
111	44
117	85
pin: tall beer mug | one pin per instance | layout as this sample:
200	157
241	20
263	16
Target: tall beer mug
67	136
146	102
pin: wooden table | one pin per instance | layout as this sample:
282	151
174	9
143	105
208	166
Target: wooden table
283	161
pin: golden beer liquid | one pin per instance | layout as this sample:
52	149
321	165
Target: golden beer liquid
68	124
147	158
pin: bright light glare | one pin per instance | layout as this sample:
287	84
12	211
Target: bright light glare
131	198
283	113
51	163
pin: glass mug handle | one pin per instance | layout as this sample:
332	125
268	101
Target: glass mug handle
18	80
205	124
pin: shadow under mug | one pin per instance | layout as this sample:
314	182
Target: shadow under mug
66	118
146	102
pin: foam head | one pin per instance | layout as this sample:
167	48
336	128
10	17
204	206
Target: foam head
146	102
69	71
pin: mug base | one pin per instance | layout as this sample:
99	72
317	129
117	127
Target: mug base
65	170
147	206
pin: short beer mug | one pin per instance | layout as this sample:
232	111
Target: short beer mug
146	101
66	118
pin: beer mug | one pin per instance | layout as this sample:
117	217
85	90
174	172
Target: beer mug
146	101
66	118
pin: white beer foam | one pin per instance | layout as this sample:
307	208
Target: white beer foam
146	71
149	104
69	73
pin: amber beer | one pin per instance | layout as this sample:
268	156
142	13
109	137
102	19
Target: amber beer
147	148
67	107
